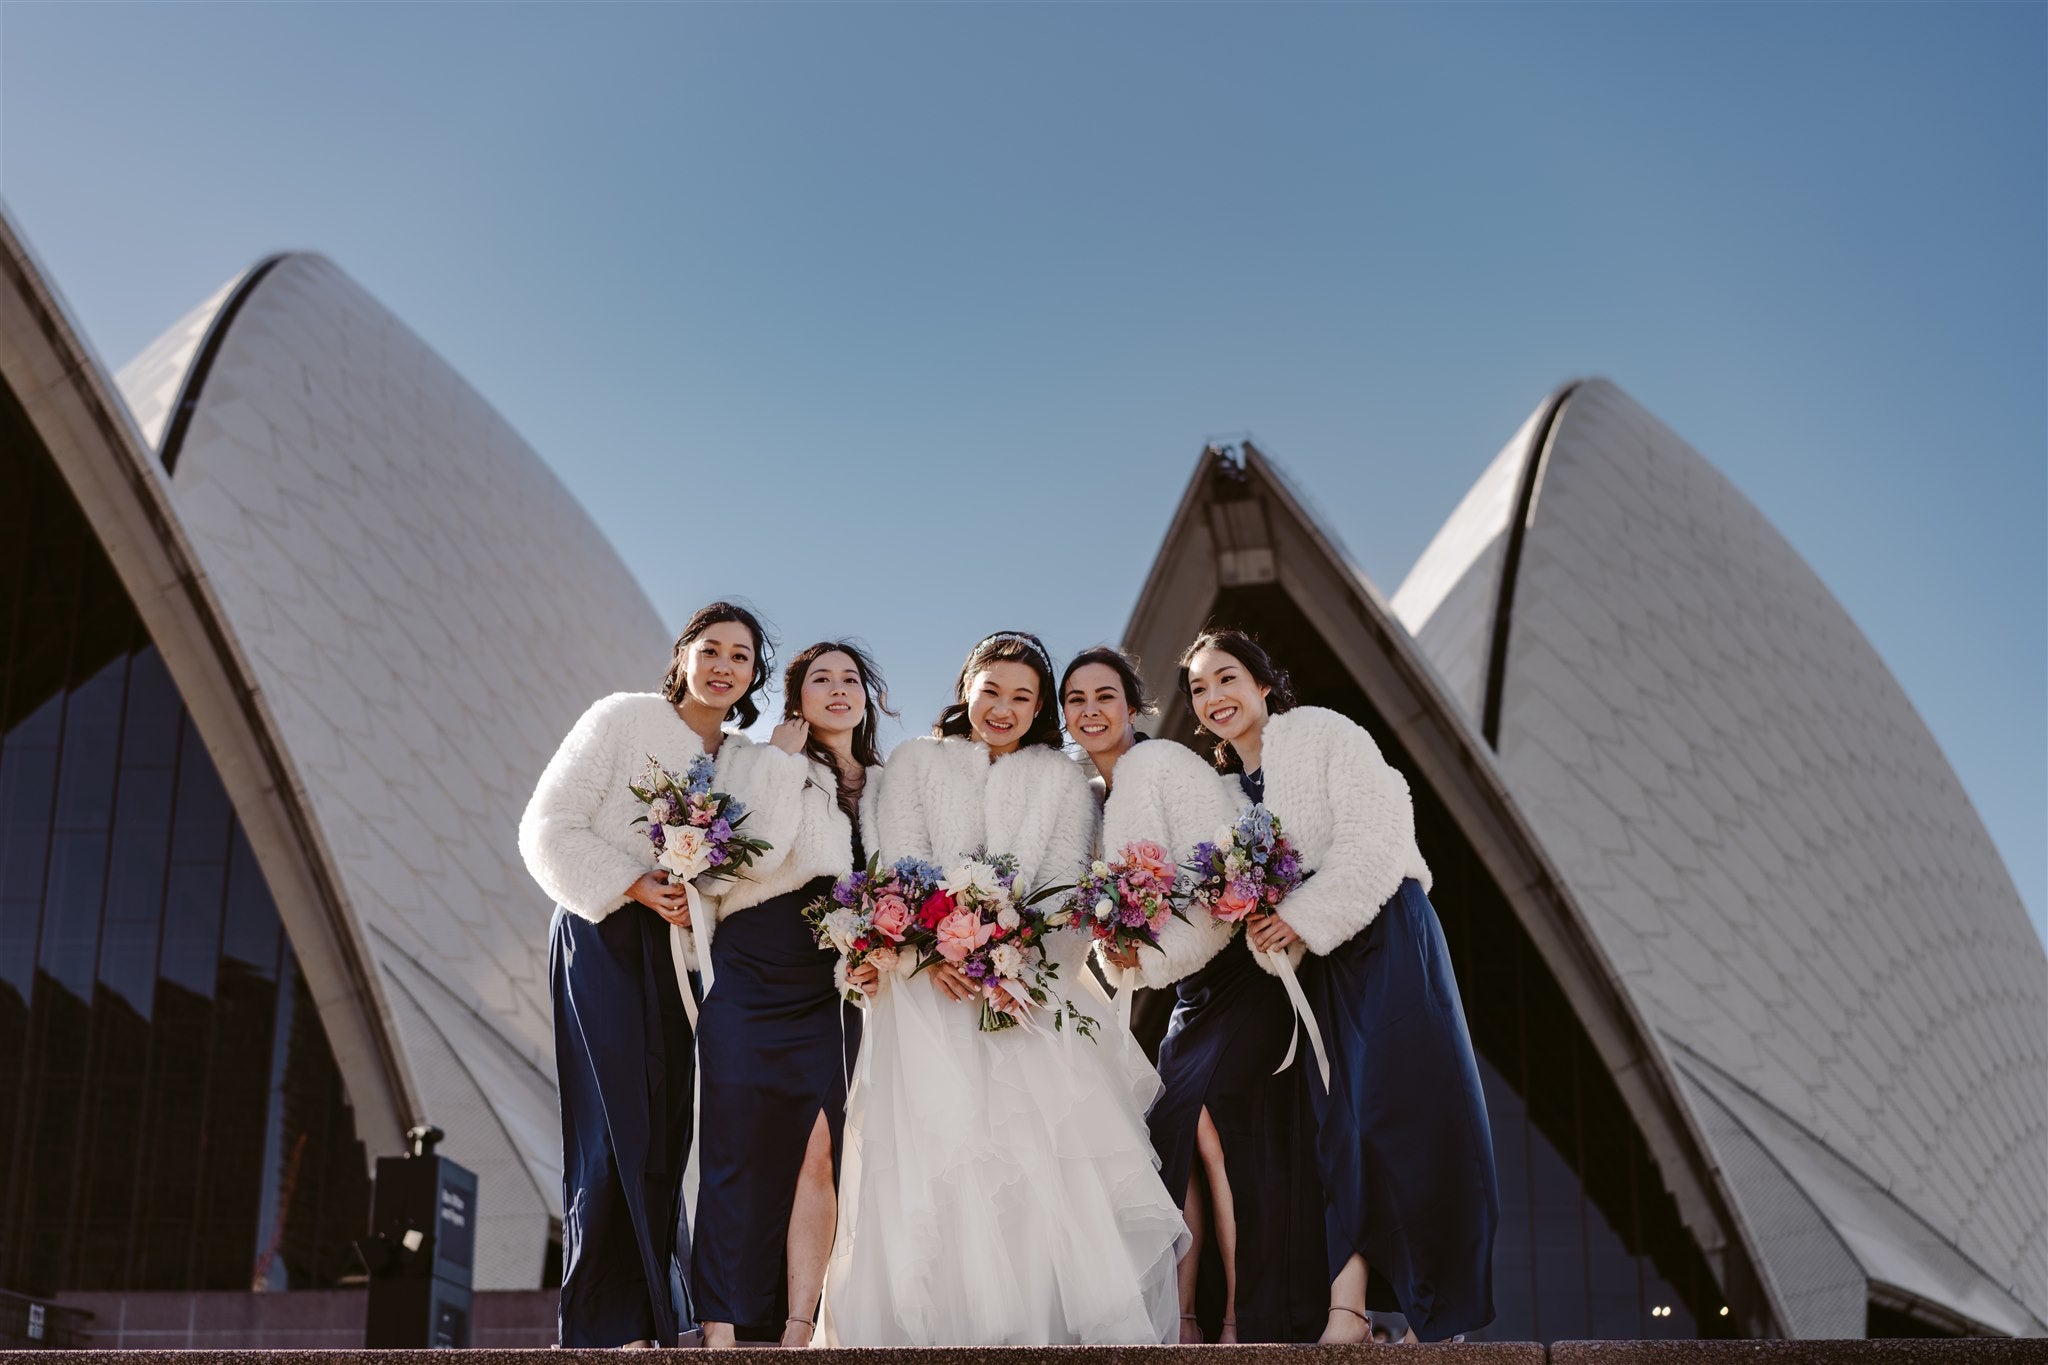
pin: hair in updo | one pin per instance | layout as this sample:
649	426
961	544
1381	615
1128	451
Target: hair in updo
1267	674
1126	669
876	693
748	708
1012	647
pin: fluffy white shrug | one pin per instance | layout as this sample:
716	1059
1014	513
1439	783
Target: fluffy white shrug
1165	793
942	799
577	836
1347	811
793	803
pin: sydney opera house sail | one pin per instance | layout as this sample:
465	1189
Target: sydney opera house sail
382	610
1759	1012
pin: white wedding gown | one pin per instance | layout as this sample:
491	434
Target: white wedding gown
1000	1189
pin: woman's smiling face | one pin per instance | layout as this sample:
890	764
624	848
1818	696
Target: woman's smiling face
718	666
1228	703
835	699
1098	714
1002	701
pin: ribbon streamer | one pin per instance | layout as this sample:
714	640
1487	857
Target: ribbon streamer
680	942
1123	1001
1284	969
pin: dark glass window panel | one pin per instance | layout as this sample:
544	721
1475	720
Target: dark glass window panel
145	1054
252	934
28	785
92	748
71	909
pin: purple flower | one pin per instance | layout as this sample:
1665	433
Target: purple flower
978	970
720	831
716	857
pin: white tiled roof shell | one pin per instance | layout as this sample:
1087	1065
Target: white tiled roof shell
428	610
1771	849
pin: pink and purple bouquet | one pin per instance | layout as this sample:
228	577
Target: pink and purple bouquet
1126	900
695	830
995	934
1247	870
872	915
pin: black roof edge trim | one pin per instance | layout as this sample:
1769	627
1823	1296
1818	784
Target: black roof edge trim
202	364
1503	608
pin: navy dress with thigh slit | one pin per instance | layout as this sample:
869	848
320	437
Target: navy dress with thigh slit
1230	1028
1402	1139
776	1045
622	1057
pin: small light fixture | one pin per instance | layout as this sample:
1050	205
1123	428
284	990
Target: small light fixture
1724	1310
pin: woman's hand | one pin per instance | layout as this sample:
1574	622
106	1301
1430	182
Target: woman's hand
670	900
951	982
1270	934
866	978
1124	956
790	736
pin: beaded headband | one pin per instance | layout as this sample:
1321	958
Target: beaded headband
1031	641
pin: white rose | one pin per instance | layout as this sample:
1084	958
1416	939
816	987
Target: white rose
842	926
1006	959
1104	908
1098	868
1008	917
973	877
685	851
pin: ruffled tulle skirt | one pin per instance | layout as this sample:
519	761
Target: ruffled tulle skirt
999	1189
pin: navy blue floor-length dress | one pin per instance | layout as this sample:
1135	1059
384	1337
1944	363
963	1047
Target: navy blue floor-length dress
622	1056
1230	1028
1402	1140
776	1045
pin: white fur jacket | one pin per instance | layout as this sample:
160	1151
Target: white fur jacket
577	836
943	799
793	803
1167	794
1346	809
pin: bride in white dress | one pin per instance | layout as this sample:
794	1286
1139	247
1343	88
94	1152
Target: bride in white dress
998	1188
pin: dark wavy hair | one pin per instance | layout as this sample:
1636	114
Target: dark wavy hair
1126	668
1012	647
1249	652
748	707
876	691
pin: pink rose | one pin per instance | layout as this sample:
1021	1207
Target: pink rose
959	934
1151	858
1239	899
883	960
892	917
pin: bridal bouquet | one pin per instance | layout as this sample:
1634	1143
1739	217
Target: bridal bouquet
694	829
983	924
1125	901
1246	870
869	916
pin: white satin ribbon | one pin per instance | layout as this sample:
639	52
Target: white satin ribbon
680	942
1284	969
1124	993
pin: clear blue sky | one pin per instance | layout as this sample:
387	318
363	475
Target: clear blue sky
831	268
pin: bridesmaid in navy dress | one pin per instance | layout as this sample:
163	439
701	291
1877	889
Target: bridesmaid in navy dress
1402	1141
1236	1142
622	1030
776	1042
